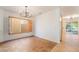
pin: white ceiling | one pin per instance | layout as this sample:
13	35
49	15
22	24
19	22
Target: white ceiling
69	10
34	10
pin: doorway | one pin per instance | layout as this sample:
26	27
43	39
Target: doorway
70	31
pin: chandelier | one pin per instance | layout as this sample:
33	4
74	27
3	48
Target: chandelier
26	13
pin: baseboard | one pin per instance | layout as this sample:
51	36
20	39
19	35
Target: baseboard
46	39
16	39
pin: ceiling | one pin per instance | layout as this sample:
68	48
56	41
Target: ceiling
69	10
34	10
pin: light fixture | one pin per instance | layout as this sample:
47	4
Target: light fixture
26	13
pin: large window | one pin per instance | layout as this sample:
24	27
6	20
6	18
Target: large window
19	25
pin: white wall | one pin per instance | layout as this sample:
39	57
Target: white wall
47	25
1	25
4	14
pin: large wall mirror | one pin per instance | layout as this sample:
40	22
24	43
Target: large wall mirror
19	25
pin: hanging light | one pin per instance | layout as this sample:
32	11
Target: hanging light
26	13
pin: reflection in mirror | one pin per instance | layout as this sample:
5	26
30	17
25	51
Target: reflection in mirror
19	25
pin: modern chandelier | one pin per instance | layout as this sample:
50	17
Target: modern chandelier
26	13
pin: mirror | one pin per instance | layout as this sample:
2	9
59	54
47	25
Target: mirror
19	25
